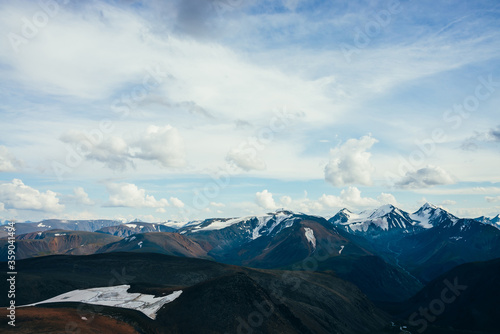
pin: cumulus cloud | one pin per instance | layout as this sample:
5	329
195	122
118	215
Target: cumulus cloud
350	163
246	158
286	200
351	197
473	143
17	195
111	151
265	200
161	144
348	198
425	177
176	202
82	197
8	162
129	195
217	204
385	198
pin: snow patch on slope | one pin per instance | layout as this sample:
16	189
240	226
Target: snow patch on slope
262	222
341	249
309	233
220	224
116	296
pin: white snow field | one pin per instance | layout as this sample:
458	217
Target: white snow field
116	296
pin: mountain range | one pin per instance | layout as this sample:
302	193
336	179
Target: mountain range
389	254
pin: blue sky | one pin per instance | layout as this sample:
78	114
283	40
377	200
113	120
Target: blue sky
190	109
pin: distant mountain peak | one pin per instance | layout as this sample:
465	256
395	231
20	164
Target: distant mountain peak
428	205
281	211
383	211
430	215
384	218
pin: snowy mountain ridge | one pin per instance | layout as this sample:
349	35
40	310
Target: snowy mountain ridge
388	217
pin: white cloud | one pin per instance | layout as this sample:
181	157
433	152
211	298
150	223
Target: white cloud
17	195
385	198
217	204
82	197
286	200
331	201
8	162
425	177
246	158
129	195
162	144
350	197
176	202
350	163
112	151
265	200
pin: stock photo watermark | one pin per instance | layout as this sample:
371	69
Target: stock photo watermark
123	108
246	150
11	272
31	26
288	280
364	35
454	118
437	306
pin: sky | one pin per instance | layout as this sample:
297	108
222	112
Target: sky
183	110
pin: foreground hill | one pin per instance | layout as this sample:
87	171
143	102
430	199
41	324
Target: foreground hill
218	298
48	320
463	299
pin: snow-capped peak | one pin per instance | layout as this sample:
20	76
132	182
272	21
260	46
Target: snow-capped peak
428	206
386	217
382	211
430	215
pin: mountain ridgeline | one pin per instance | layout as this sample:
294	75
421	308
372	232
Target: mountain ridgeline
393	257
